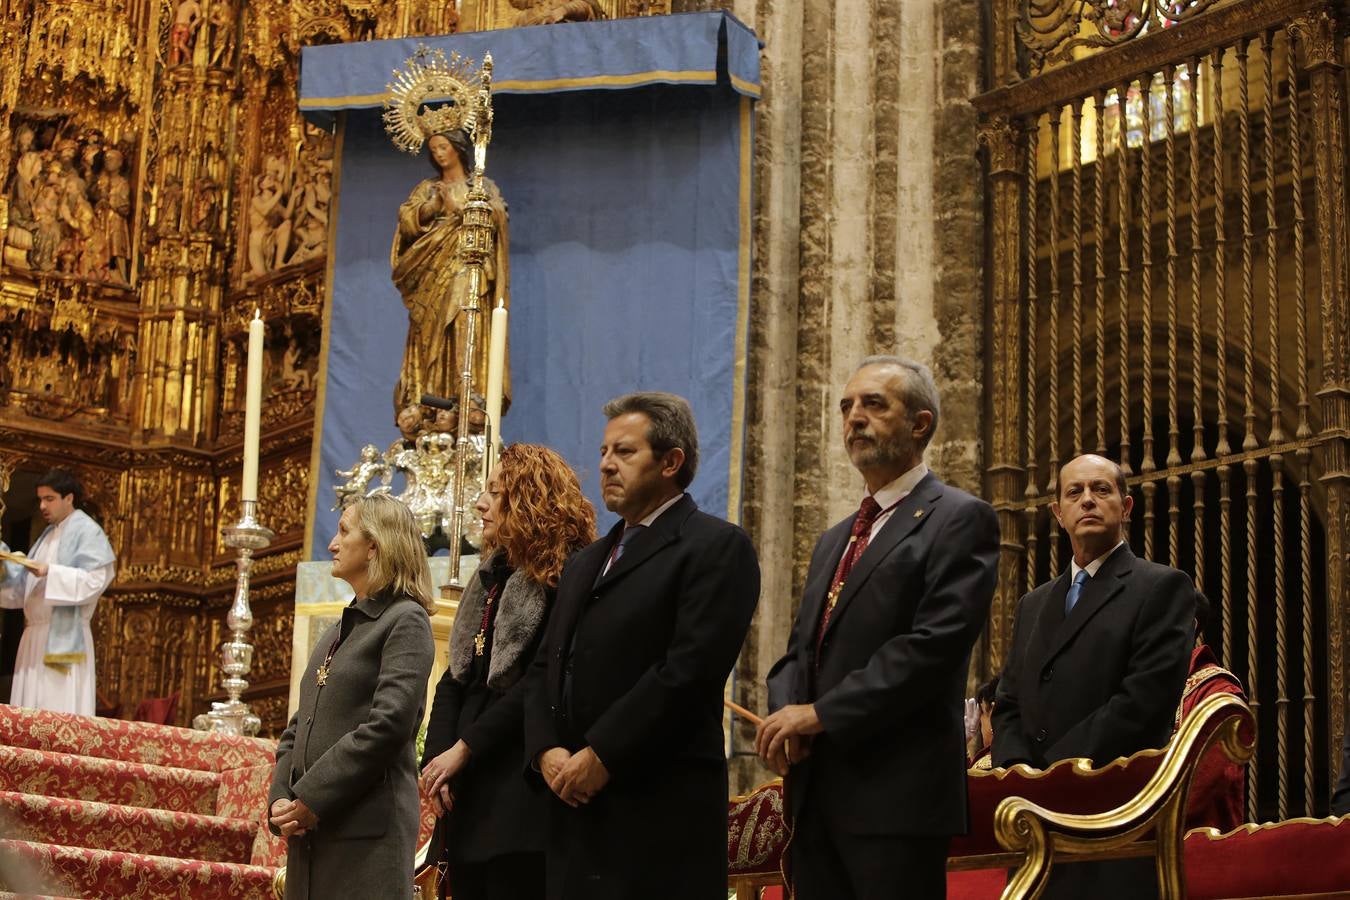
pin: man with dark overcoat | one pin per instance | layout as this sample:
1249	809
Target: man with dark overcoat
1098	658
623	712
869	724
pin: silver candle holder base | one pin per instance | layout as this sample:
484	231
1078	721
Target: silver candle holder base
232	716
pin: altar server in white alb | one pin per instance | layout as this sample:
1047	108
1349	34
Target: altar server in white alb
58	587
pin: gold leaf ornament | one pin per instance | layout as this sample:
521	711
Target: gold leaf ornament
431	94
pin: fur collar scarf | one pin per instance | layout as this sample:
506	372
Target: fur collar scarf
521	610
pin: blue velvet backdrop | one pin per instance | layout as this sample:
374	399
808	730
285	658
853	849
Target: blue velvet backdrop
629	269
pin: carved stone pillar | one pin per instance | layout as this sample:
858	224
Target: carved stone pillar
1000	137
1319	36
868	213
1002	41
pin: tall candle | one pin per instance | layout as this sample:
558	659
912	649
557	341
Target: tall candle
252	408
495	377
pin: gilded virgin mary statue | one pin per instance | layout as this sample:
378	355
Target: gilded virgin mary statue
429	269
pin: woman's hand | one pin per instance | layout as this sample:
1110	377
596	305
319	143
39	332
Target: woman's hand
435	781
292	817
446	202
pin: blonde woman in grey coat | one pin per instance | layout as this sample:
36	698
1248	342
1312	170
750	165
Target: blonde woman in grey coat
344	791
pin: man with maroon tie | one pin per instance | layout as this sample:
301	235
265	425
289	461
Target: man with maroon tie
868	699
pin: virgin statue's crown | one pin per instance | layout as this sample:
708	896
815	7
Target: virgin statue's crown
427	77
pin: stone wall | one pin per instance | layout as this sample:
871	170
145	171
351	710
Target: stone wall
868	238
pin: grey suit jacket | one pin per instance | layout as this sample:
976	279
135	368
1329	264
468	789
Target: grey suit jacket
888	680
349	753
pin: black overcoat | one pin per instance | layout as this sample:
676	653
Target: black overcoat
1104	681
651	646
497	810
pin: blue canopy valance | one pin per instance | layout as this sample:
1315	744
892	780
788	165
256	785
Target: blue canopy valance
692	48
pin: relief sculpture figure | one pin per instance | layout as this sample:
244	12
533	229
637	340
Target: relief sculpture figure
551	12
113	210
187	18
269	221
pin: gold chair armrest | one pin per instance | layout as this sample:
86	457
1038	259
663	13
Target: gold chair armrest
1159	809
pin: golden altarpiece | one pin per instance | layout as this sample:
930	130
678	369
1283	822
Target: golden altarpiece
157	184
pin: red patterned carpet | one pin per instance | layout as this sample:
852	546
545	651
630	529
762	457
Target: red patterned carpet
107	808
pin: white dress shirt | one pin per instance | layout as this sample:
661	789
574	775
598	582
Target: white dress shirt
1092	567
893	493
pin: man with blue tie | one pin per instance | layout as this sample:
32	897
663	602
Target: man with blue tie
623	710
1098	657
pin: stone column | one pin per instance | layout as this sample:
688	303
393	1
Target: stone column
868	239
1000	137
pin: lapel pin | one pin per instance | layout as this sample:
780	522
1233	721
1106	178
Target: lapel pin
918	514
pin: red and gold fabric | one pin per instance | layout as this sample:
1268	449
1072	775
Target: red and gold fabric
142	742
1218	795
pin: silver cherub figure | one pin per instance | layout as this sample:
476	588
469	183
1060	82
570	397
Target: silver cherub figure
359	477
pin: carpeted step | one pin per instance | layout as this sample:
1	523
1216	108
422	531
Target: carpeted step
130	829
243	795
143	742
82	872
107	781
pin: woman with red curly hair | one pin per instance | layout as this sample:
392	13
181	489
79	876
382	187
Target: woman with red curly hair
534	518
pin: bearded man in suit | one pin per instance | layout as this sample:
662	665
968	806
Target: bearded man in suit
623	714
869	705
1098	660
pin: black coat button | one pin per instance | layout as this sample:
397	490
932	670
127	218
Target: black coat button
1047	674
1040	736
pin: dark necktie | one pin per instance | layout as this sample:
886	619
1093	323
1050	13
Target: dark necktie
629	532
853	551
1075	590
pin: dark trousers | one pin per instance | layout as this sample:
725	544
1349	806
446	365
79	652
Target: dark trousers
1112	879
828	864
511	876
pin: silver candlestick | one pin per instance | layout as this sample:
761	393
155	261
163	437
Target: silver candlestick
236	655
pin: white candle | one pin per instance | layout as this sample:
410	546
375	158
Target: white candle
495	377
253	408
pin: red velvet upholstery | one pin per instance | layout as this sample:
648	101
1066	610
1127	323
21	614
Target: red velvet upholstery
1067	786
756	832
977	884
1279	859
757	835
